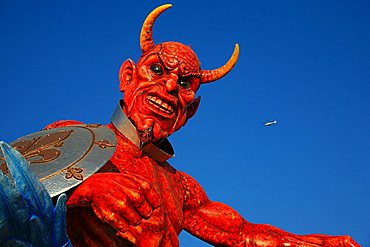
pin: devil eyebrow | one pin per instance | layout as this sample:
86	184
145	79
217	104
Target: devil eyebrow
198	75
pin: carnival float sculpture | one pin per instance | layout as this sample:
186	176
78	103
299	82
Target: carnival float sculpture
121	189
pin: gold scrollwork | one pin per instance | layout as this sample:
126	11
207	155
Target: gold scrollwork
74	172
41	149
93	125
104	144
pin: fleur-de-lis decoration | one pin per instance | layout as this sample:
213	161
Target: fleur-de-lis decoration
104	144
93	125
74	172
40	149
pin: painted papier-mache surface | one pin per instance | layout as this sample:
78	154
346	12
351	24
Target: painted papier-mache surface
137	198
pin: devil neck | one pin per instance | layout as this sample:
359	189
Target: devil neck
160	152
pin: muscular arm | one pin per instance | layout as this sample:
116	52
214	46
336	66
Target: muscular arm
220	225
210	221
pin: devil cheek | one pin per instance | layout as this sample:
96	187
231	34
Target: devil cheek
142	73
180	122
144	122
147	123
157	131
186	99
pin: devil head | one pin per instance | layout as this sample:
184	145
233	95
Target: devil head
159	90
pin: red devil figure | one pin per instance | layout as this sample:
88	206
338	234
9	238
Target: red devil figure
138	198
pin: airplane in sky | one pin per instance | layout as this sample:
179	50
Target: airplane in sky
269	123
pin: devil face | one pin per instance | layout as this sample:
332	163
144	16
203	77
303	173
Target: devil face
159	98
160	89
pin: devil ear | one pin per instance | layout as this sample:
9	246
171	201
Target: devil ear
192	108
126	73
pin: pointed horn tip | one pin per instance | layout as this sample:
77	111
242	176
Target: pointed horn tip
236	50
167	5
146	39
234	57
162	8
213	75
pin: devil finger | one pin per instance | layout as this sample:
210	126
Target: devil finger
150	192
80	197
123	207
138	201
111	218
345	241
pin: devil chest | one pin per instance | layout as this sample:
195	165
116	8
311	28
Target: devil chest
163	178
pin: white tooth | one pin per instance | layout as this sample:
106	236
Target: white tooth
158	101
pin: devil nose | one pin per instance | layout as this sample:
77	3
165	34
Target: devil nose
171	83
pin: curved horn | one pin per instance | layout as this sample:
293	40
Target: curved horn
146	39
215	74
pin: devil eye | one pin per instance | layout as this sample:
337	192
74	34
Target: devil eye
156	68
184	83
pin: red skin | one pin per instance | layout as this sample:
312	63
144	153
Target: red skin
136	201
177	62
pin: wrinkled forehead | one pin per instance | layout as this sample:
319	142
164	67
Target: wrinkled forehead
176	55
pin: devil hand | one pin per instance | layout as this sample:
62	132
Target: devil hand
345	241
118	199
299	241
266	235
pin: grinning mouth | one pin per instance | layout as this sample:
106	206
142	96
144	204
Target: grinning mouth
159	104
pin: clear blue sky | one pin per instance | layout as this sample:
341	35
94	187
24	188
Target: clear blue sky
304	63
